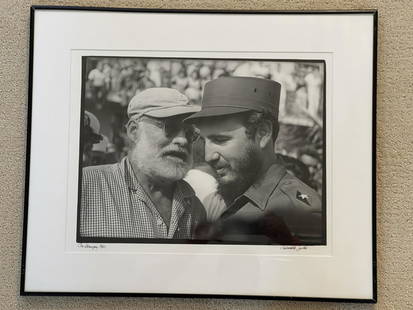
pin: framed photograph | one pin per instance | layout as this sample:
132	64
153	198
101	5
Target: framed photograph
222	153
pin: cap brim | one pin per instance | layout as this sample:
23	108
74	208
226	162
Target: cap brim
173	111
215	111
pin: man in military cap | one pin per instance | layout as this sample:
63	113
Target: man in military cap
144	196
91	136
257	200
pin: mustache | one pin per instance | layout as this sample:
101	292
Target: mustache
177	152
219	165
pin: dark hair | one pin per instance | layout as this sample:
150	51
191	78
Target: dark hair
254	119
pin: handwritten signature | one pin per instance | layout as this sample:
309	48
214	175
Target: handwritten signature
294	248
91	246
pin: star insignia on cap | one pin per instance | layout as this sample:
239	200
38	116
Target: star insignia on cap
303	197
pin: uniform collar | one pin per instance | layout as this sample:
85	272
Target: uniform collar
259	193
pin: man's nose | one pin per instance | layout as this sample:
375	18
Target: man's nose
211	155
180	137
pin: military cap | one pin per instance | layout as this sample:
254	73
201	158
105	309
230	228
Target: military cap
92	128
230	95
160	102
91	120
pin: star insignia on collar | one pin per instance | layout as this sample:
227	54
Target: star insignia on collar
303	197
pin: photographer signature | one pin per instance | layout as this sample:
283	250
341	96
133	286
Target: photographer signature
294	248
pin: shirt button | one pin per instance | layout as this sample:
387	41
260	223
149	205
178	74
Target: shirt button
159	222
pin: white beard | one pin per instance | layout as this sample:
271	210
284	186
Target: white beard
156	167
162	169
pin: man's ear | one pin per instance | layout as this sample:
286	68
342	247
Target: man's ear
264	134
132	129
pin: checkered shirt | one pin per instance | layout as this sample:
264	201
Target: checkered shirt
114	205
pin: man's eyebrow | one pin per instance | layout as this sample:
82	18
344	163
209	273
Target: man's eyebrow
218	135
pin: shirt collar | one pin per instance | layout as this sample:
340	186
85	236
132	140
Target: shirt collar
259	192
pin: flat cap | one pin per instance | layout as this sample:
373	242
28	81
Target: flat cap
230	95
160	102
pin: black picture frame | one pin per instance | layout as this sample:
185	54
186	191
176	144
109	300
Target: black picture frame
29	173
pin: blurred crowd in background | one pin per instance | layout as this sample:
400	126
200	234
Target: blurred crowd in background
110	82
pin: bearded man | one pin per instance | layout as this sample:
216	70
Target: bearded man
144	196
257	200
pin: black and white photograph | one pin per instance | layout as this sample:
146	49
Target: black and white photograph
202	150
237	161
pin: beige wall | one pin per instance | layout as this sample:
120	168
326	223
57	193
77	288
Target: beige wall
394	154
